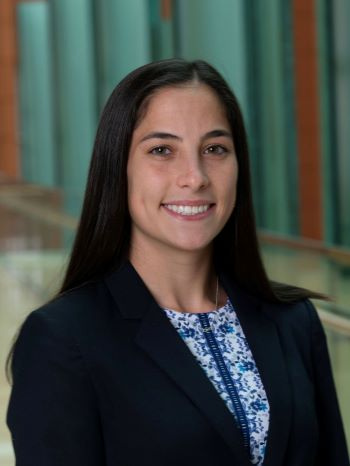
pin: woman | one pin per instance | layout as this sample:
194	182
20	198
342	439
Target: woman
167	344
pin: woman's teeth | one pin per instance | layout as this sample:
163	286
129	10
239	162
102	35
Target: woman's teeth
186	209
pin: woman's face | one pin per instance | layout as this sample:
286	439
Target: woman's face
182	170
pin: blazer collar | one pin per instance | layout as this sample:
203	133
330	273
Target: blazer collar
159	339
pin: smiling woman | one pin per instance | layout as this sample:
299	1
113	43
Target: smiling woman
182	168
168	344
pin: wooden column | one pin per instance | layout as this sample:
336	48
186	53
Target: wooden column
166	9
308	119
9	151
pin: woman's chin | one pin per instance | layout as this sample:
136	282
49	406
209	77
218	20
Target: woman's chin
192	246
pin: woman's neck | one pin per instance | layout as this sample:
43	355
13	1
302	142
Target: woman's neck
179	280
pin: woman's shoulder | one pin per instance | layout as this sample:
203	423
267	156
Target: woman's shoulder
74	311
299	318
294	310
283	310
300	310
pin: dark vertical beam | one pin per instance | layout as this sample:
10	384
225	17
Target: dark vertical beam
307	119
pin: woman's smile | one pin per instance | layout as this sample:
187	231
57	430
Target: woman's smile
189	211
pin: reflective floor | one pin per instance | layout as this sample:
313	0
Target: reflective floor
35	236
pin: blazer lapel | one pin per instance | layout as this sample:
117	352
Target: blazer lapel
263	339
160	340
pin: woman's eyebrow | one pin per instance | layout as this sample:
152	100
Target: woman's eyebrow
160	135
217	133
211	134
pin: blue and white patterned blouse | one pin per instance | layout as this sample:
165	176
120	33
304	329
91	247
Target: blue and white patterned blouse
217	341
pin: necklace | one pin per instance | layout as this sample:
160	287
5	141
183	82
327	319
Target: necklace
216	294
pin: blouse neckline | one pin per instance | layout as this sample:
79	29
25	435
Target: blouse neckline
188	313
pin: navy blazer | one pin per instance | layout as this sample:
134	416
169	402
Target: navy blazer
102	378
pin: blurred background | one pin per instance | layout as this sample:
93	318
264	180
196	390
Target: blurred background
288	61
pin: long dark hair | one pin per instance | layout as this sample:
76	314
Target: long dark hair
103	237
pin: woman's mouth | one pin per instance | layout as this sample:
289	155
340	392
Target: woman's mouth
189	212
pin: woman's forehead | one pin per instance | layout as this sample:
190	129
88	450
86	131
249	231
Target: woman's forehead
188	103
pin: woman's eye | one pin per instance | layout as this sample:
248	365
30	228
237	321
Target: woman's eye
160	150
215	149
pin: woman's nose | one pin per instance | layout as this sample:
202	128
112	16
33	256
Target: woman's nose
192	174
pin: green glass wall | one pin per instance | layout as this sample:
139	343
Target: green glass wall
333	19
36	116
73	53
341	69
122	39
215	31
271	110
75	94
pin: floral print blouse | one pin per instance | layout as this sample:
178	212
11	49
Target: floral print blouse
217	341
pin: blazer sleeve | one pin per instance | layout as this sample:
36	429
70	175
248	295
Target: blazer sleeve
332	443
52	413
